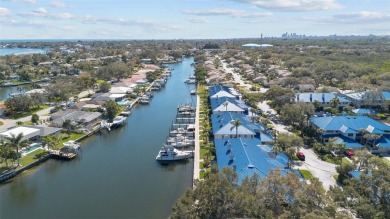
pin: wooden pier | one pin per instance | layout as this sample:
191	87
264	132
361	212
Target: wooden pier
63	155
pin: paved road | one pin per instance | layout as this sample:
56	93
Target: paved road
236	76
324	171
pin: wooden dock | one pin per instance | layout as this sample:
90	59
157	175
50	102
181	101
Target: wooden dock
63	155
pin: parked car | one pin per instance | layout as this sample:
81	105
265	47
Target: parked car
301	156
349	153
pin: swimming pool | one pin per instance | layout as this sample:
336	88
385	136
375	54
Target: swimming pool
123	102
31	148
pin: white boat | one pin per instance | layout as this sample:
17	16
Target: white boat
179	141
144	100
193	92
72	145
169	153
186	108
190	81
118	121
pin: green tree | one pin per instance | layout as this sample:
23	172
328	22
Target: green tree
16	141
225	104
334	102
112	109
51	141
35	118
105	87
236	123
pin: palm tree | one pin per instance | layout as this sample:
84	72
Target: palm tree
334	102
15	141
316	104
4	151
51	141
290	153
225	104
236	123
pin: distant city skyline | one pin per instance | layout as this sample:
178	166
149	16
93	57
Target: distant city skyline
190	19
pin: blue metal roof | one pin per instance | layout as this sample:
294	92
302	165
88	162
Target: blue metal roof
320	97
356	173
215	89
349	143
233	103
361	95
356	123
247	156
362	111
222	121
384	141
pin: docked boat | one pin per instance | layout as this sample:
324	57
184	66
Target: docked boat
190	81
186	108
169	153
118	121
144	100
71	145
179	141
193	92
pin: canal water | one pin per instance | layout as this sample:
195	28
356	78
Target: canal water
116	175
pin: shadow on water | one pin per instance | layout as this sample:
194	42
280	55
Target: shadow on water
172	165
22	191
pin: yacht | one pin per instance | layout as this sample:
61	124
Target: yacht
168	153
186	108
190	81
72	145
179	141
118	121
144	100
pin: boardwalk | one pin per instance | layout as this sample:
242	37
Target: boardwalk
197	143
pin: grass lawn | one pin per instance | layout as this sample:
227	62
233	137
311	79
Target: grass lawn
32	157
201	175
19	115
334	160
336	177
1	123
306	174
73	136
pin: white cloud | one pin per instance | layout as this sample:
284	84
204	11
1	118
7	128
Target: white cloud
198	20
5	12
64	16
27	1
294	5
40	10
57	4
354	17
226	12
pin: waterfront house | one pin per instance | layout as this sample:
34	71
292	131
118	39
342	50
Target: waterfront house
324	99
351	130
218	91
120	90
222	127
247	156
29	133
76	117
228	104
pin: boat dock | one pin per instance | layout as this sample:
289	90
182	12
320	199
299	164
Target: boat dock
63	155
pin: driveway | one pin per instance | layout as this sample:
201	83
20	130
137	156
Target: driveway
324	171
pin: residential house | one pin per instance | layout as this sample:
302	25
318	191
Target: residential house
323	99
228	104
351	130
76	117
370	99
247	156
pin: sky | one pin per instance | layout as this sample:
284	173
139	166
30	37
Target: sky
190	19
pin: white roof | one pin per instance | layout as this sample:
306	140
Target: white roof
120	90
27	132
36	91
117	95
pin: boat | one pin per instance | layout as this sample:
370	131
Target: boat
118	121
179	141
186	108
71	145
190	81
125	113
193	92
169	153
144	100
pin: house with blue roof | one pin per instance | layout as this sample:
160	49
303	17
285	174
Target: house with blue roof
228	104
247	156
223	128
324	99
350	129
218	91
377	99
